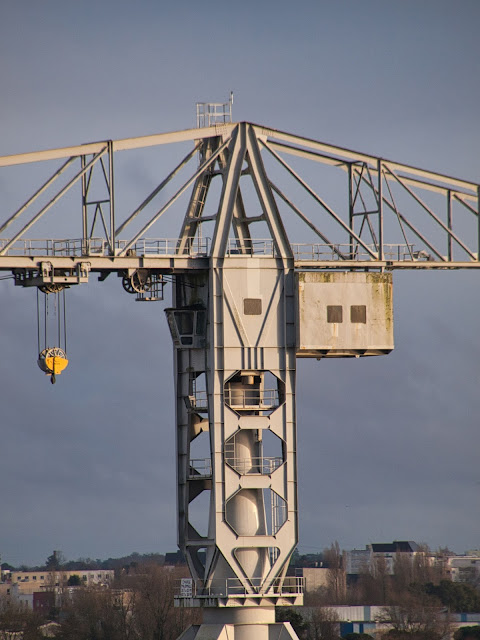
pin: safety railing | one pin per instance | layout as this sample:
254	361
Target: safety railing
193	247
249	247
200	468
251	398
69	247
211	113
189	588
257	465
198	401
76	247
337	252
200	247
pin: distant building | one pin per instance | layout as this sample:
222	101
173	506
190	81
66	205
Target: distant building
463	568
122	598
31	581
175	558
364	619
43	601
389	551
314	578
5	588
40	590
5	574
397	546
360	560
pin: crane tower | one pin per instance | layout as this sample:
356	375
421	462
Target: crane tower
247	301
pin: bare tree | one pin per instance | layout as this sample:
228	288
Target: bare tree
382	576
336	581
156	616
416	618
17	621
140	608
87	615
403	574
424	566
322	624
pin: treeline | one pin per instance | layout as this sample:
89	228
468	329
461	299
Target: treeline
56	561
139	606
133	560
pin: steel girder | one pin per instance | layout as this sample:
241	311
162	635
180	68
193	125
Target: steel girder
389	214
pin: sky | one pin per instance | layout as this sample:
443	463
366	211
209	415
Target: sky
388	447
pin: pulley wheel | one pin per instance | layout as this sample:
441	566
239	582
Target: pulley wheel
51	288
139	282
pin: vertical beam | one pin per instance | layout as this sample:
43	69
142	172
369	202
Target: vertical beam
111	192
380	209
449	224
350	208
478	223
83	162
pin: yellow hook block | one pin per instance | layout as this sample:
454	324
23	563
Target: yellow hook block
52	361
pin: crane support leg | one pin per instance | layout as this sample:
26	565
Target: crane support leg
234	332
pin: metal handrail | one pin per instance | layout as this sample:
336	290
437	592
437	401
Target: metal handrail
200	468
68	247
251	398
189	588
251	247
194	247
200	247
262	465
199	400
77	247
337	252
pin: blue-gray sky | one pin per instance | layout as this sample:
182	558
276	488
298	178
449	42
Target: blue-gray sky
388	447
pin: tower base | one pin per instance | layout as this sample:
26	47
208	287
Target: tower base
246	623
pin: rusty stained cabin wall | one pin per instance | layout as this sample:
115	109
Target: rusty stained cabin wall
344	314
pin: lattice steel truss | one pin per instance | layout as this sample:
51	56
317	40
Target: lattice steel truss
233	323
382	214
